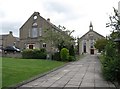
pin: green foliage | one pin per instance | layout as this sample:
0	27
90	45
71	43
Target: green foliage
60	39
100	44
111	69
71	58
56	56
110	49
111	62
72	51
34	53
64	54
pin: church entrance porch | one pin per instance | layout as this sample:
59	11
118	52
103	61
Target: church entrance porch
92	51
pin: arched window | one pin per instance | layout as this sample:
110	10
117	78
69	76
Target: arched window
34	24
34	32
84	46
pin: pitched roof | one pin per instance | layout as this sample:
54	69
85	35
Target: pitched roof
5	35
51	24
37	13
91	31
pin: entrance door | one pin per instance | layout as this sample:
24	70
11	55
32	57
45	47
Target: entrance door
92	51
31	46
84	48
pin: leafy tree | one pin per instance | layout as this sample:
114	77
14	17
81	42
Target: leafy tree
72	50
59	38
111	63
100	44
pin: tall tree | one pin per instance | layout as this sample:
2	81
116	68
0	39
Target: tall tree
100	44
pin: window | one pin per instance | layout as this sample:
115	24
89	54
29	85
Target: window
29	33
84	47
35	24
44	45
91	37
35	17
40	31
92	44
34	32
31	46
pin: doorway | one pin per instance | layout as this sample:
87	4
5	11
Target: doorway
92	51
31	46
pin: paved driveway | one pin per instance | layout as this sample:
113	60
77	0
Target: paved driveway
83	73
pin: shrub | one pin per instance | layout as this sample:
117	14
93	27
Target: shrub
56	56
34	53
110	50
71	58
43	50
64	54
111	69
28	53
72	51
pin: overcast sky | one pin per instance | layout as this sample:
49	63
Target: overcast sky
73	14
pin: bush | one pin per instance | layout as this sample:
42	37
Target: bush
28	53
64	54
111	63
110	50
71	58
111	69
34	54
56	56
72	51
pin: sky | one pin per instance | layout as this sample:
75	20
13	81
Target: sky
72	14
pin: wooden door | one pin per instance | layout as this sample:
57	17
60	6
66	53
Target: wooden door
92	51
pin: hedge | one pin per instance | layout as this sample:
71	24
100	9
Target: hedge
34	54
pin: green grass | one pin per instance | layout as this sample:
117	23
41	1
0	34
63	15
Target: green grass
16	70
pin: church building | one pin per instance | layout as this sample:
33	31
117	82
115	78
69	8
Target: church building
86	42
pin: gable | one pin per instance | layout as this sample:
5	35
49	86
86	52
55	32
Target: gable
91	33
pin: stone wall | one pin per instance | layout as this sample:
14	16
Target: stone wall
13	55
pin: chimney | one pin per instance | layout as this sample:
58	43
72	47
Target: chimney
10	32
48	19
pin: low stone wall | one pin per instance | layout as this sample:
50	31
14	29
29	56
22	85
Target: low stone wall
14	55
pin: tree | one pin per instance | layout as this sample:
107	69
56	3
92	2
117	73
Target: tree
72	51
111	63
100	44
59	38
115	25
114	22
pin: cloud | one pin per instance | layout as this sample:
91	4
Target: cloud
11	26
54	6
73	14
2	14
63	11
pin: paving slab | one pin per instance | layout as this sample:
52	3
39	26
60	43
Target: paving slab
85	73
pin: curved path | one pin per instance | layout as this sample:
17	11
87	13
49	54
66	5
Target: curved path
80	74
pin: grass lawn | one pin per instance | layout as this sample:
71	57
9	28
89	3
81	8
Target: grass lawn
16	70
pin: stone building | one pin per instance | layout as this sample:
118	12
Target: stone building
86	42
34	31
9	40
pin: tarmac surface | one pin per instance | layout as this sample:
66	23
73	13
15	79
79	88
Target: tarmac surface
82	74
